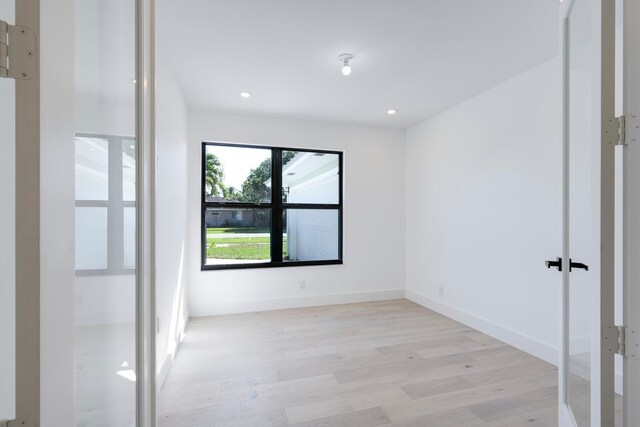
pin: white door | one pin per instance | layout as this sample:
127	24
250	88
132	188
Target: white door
586	374
114	323
19	214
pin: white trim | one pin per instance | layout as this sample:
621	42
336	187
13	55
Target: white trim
233	307
564	414
164	371
528	344
145	215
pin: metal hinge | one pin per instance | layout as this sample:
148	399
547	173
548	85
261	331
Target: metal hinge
17	52
16	423
623	130
622	340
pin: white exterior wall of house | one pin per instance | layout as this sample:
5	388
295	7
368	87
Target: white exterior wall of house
312	234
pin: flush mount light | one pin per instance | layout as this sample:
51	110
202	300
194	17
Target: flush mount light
245	94
345	58
391	111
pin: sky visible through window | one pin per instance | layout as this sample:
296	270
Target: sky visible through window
239	162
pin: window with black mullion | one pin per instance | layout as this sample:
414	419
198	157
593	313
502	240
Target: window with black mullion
301	194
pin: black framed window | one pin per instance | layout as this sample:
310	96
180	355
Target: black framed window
105	181
270	206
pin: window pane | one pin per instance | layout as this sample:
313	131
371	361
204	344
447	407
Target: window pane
92	168
238	236
91	238
310	235
129	228
309	177
128	170
237	174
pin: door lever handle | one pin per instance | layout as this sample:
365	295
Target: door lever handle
558	264
555	264
573	265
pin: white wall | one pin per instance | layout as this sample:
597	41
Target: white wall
484	211
171	216
373	218
8	233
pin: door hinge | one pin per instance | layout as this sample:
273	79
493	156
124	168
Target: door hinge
623	130
16	423
17	52
622	340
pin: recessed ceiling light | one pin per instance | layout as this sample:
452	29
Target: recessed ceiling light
245	94
392	111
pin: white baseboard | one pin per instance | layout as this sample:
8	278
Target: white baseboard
164	371
233	307
523	342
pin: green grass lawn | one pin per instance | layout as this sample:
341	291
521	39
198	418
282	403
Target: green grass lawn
248	248
236	230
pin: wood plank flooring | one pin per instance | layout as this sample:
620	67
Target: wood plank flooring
390	363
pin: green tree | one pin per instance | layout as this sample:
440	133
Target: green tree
254	188
232	193
214	175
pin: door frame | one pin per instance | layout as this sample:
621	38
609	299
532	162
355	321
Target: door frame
146	393
631	203
603	182
27	225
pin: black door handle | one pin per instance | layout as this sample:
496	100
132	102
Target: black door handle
573	265
558	264
555	264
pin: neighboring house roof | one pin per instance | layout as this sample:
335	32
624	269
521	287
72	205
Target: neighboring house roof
218	199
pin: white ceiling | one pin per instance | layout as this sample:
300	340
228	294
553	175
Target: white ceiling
418	56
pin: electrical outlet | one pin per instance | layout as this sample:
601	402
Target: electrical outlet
302	285
441	290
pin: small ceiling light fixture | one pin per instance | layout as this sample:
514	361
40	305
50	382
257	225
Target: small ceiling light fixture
245	94
391	111
345	58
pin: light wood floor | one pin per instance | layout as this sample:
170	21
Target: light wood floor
391	363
